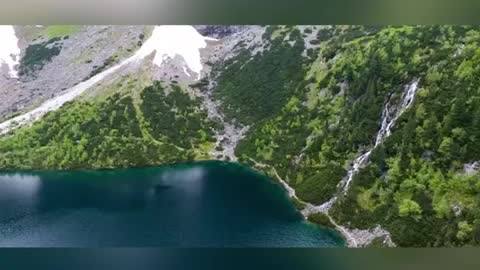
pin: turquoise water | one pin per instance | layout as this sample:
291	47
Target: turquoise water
208	204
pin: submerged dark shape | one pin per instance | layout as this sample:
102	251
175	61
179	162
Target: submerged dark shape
161	187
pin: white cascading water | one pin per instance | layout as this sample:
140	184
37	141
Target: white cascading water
389	117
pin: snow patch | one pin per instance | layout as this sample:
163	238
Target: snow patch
167	41
9	50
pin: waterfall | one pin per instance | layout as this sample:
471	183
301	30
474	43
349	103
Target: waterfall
389	118
357	237
390	114
357	164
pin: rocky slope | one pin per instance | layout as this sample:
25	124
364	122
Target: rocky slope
51	61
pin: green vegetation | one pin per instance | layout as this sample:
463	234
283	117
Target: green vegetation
61	30
175	116
111	133
321	219
319	116
414	183
319	187
254	95
298	204
106	63
377	243
37	55
330	112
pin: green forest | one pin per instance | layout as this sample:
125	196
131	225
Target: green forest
116	133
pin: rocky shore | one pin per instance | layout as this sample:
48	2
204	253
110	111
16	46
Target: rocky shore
353	237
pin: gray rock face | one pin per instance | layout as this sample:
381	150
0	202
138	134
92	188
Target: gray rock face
218	31
457	208
471	168
247	37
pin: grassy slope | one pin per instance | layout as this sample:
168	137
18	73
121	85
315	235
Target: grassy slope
61	30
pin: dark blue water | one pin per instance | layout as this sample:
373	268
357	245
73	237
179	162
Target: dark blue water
211	204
